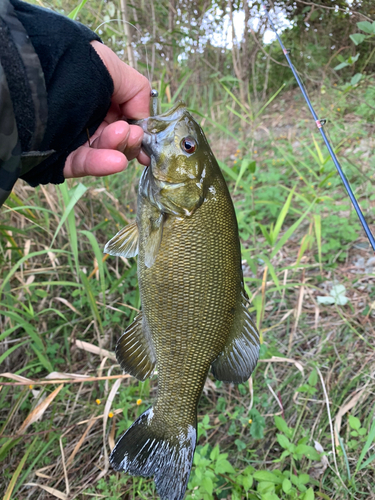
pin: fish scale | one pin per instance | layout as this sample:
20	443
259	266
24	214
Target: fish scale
194	315
192	300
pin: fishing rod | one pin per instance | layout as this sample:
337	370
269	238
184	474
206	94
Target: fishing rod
320	124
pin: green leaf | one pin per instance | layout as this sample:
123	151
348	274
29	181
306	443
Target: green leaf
7	446
283	441
215	453
294	479
11	485
358	38
91	299
284	454
313	378
247	482
322	299
227	170
24	323
246	164
353	59
318	234
181	86
246	112
99	259
282	426
368	443
304	478
43	360
308	451
337	296
287	485
306	388
354	422
309	495
207	484
36	460
9	351
73	196
283	213
341	65
367	27
70	198
319	151
111	9
223	466
367	462
266	489
290	231
272	271
266	476
356	78
240	444
265	233
199	473
270	100
21	261
258	424
75	11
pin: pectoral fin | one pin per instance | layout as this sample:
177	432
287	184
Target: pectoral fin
135	350
153	240
240	355
125	243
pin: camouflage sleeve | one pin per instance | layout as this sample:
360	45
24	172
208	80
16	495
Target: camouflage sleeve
10	148
79	87
53	89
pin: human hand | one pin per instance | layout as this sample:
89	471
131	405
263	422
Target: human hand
115	142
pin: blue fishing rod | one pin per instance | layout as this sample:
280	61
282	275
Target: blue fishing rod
320	124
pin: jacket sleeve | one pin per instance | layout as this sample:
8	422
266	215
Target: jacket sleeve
59	89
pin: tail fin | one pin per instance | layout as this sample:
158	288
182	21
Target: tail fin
149	448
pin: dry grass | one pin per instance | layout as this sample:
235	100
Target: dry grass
58	300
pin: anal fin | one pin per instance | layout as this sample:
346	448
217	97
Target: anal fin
240	354
135	350
125	243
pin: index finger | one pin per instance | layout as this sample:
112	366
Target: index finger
131	89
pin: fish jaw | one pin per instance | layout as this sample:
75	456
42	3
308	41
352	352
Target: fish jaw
155	127
177	178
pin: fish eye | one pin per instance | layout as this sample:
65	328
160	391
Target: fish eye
189	144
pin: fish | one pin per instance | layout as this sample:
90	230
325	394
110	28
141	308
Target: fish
194	314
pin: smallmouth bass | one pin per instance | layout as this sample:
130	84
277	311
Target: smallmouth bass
194	314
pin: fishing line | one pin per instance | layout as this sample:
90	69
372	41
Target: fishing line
320	124
141	34
154	103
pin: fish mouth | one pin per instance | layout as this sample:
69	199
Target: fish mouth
156	124
149	143
157	128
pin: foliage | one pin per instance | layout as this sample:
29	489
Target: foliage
64	305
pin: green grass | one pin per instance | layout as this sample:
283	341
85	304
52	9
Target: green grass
300	237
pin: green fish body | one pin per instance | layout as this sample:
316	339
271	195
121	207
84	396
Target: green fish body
194	314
